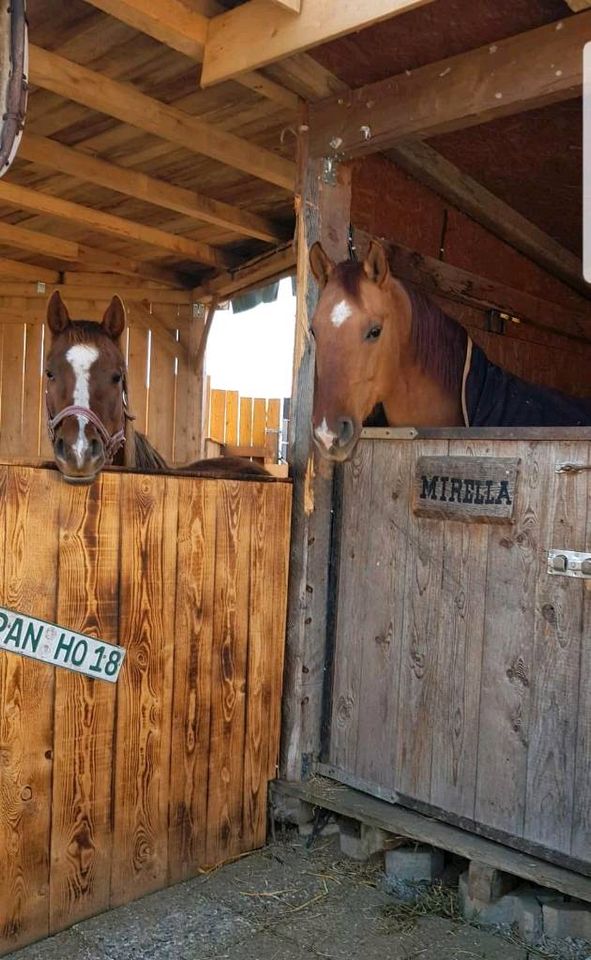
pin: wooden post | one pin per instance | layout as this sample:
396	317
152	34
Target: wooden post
323	208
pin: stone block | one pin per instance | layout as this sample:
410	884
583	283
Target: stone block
486	883
414	864
567	919
359	841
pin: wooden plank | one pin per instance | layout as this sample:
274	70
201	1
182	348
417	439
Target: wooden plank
11	396
245	432
177	25
507	665
395	819
144	690
578	5
557	658
280	495
98	292
134	183
217	420
259	421
273	266
28	512
431	168
33	393
379	616
54	247
459	641
472	489
231	417
229	675
137	365
192	678
257	33
125	103
27	199
388	434
161	401
581	829
84	708
26	271
294	6
419	653
272	430
461	91
189	419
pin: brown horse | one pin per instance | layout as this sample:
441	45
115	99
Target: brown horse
379	342
88	415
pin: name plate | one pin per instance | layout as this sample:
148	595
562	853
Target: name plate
50	643
479	489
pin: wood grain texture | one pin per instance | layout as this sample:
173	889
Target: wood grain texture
193	671
84	708
581	828
229	673
29	503
144	690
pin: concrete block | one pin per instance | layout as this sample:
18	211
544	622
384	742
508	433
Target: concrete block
527	915
501	911
291	810
414	864
360	842
486	883
563	919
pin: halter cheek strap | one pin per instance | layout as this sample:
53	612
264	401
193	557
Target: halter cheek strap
111	442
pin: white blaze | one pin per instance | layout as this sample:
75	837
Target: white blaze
81	357
326	436
340	312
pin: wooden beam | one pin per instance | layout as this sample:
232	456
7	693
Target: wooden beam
528	70
43	243
28	199
31	290
185	30
255	273
257	33
432	169
294	6
96	260
56	156
14	270
578	5
123	101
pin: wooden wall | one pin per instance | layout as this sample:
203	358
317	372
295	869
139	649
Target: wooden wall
386	202
109	792
244	421
462	671
157	347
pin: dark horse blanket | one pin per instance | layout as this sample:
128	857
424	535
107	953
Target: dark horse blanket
492	397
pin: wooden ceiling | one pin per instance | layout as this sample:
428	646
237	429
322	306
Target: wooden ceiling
121	169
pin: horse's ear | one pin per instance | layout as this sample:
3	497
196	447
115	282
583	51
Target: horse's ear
320	264
114	318
376	263
58	317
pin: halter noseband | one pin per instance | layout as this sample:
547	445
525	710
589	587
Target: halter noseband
111	442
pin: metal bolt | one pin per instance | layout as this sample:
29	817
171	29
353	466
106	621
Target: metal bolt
559	562
586	567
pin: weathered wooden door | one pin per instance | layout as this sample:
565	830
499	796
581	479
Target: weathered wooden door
461	667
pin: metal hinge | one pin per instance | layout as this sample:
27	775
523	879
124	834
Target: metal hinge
569	563
329	171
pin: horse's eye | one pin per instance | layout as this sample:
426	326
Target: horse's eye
373	332
49	375
116	378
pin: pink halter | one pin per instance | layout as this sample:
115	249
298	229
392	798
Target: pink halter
111	442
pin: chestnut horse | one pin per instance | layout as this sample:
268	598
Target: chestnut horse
379	342
88	417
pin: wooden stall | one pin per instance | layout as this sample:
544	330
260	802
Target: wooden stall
110	791
435	667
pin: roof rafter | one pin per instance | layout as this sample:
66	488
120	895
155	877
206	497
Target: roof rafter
257	33
125	103
50	153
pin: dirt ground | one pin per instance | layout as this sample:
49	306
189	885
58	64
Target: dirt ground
285	902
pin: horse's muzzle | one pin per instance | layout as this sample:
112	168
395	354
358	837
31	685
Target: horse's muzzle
337	445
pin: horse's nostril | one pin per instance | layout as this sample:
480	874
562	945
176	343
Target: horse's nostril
346	430
95	448
60	449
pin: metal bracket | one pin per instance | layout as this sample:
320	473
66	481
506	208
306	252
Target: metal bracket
569	563
199	311
329	171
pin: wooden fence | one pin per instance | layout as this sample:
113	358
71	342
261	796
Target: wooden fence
462	669
244	421
157	348
109	792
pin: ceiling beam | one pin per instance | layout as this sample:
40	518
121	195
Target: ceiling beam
257	33
578	5
431	168
32	291
95	260
294	6
15	270
255	273
125	103
31	240
185	30
27	199
50	153
528	70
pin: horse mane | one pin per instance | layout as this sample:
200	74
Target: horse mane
438	341
146	456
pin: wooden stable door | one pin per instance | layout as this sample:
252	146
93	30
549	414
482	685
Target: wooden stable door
461	667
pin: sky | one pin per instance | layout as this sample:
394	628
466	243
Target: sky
252	352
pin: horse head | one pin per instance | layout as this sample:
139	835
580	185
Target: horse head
86	389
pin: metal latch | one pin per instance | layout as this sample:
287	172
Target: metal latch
569	563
